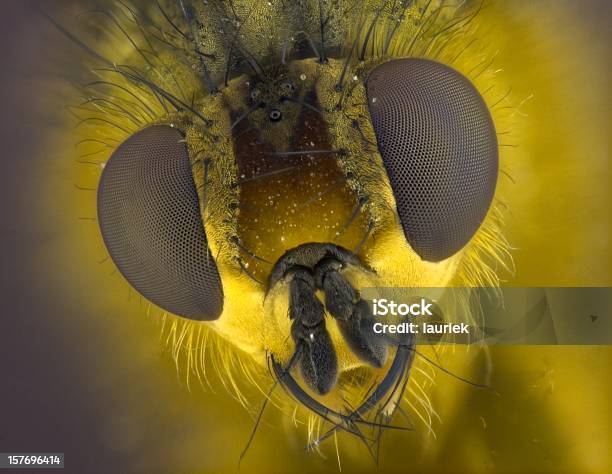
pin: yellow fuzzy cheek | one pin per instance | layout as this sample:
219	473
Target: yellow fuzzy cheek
396	264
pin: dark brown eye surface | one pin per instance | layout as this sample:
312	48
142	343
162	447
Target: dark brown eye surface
439	146
150	221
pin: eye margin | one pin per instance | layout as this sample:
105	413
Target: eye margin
418	105
150	220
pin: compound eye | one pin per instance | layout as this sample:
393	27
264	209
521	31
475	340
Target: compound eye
439	146
149	216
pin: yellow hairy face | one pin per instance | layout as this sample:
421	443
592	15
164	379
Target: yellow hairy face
275	121
285	200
